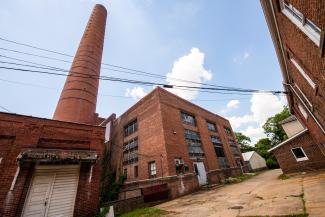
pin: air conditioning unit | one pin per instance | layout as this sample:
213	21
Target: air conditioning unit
179	162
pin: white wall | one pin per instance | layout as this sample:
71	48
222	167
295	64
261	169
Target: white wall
257	162
292	128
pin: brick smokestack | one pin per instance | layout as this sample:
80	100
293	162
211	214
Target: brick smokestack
78	99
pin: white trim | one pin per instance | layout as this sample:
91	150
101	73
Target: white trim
302	25
301	158
288	140
303	73
303	111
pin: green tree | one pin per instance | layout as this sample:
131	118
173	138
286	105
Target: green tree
244	142
273	129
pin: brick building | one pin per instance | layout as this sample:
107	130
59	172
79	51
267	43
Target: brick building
166	139
297	30
51	167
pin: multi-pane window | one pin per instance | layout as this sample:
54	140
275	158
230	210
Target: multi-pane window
304	24
299	154
152	169
218	147
130	128
211	126
228	131
193	141
234	148
223	162
130	151
188	119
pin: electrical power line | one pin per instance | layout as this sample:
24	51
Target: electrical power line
146	83
143	73
3	108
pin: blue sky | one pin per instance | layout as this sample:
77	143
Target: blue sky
216	42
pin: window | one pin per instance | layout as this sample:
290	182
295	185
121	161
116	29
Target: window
136	171
179	164
303	73
223	162
234	148
125	172
303	111
130	128
304	24
218	147
228	131
193	141
211	126
299	154
130	145
130	151
152	169
188	119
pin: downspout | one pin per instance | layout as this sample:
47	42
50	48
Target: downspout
286	68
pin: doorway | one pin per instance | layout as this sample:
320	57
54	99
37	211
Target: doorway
200	172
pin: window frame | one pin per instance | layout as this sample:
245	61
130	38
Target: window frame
303	111
213	124
186	122
301	158
303	73
151	175
134	124
300	20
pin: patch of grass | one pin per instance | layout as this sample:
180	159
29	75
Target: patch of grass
145	212
283	177
102	212
241	178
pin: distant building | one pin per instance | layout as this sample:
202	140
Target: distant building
166	139
254	161
297	29
51	167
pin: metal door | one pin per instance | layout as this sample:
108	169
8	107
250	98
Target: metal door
52	192
200	172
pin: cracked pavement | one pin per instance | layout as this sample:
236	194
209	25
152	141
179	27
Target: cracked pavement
262	195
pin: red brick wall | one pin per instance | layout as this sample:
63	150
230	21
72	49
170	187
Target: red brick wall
19	132
298	45
161	132
288	162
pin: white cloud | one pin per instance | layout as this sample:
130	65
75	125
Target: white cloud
242	58
136	92
255	133
246	55
233	104
263	106
189	67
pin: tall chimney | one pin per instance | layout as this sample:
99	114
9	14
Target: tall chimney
78	98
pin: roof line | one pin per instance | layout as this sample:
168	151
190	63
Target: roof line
288	140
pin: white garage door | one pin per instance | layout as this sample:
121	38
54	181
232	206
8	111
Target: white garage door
52	192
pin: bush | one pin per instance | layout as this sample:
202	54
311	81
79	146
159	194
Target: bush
271	163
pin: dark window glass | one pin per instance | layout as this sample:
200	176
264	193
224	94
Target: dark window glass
298	152
125	173
136	172
188	119
211	126
193	141
130	151
130	128
223	162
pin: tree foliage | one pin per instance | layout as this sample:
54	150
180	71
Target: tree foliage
273	129
244	142
262	146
